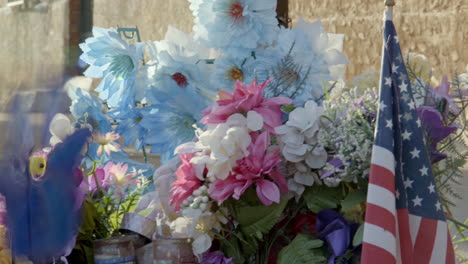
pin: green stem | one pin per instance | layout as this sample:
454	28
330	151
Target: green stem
144	153
275	237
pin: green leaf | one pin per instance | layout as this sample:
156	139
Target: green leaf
319	198
288	108
358	236
352	199
232	249
257	220
303	249
89	214
146	212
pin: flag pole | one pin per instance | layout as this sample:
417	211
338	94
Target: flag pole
389	11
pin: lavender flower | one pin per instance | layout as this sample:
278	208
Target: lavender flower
215	258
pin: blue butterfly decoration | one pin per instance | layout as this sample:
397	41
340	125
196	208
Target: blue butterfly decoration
43	197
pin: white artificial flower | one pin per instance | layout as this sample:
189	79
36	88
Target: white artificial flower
235	25
177	62
300	147
60	127
201	244
314	56
220	146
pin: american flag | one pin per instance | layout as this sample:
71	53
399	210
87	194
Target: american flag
405	221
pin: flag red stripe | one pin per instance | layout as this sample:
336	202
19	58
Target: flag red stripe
450	255
424	241
404	236
372	254
380	216
382	177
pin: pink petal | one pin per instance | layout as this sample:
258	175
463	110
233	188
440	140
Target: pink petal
222	189
276	101
267	192
239	190
258	148
279	179
271	118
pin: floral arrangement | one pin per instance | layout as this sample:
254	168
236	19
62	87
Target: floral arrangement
111	183
265	151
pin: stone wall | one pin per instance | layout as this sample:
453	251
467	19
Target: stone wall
151	16
436	28
33	47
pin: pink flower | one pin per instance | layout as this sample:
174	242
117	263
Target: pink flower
119	178
259	168
187	181
244	99
106	142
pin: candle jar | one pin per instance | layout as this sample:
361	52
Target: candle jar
173	251
115	250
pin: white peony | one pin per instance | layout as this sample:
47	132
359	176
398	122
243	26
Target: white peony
220	146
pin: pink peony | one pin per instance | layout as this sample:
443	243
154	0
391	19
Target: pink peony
187	181
260	167
244	99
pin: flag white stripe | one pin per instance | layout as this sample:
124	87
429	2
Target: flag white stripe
440	244
384	158
414	222
381	197
380	237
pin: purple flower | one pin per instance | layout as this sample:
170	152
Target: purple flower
336	232
441	92
433	124
336	163
215	258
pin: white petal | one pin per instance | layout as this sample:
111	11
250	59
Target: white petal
297	150
304	178
281	130
60	127
316	161
254	121
201	244
237	120
300	166
291	157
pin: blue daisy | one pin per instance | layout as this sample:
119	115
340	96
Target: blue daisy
173	122
117	62
129	124
235	25
86	109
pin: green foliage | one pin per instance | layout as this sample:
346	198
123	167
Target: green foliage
353	199
258	220
303	249
319	198
357	239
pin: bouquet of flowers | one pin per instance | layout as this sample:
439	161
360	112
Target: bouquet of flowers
111	182
265	151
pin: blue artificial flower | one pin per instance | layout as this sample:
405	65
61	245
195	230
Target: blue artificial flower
307	59
114	60
86	109
235	25
129	124
179	67
172	124
229	69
